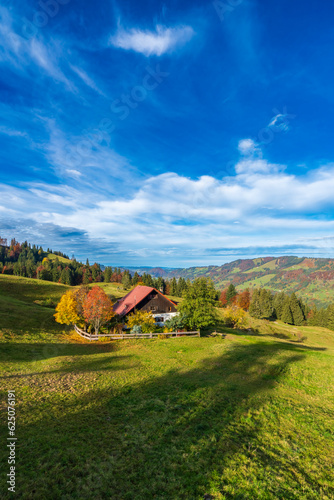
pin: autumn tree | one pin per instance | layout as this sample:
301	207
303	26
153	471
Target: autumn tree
243	300
66	310
223	298
234	317
80	296
97	308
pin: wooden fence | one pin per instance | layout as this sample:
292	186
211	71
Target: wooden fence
122	336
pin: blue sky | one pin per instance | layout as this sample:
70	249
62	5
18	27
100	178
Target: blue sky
168	133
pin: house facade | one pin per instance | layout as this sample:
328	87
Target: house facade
146	298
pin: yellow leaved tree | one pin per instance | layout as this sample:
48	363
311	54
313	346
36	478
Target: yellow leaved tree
67	309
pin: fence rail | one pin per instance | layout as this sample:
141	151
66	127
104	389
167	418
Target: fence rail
123	336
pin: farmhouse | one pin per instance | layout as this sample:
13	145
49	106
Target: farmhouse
146	298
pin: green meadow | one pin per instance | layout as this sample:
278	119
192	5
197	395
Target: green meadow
243	415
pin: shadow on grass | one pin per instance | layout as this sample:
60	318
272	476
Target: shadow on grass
22	351
255	332
79	367
177	436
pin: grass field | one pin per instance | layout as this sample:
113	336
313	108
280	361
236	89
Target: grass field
245	416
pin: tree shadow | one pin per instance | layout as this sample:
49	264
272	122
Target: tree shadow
169	436
105	363
24	351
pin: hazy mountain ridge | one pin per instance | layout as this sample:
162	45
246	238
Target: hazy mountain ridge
312	278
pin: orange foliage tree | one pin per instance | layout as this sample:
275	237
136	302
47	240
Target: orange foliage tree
223	299
243	300
97	308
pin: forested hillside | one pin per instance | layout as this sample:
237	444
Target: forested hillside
311	278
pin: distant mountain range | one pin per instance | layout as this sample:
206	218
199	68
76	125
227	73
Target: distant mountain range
311	278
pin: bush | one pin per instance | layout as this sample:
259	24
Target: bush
234	317
176	323
143	319
136	329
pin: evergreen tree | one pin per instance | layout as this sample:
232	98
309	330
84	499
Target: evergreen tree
126	280
173	287
330	317
286	312
296	310
278	304
198	305
107	274
266	303
255	305
135	278
231	293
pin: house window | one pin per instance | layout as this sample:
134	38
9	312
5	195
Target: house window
159	320
153	308
153	296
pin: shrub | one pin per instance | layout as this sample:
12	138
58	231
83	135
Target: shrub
136	329
234	317
143	319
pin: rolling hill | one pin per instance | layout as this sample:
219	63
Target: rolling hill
311	278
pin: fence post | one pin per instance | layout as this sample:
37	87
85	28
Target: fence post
199	333
151	336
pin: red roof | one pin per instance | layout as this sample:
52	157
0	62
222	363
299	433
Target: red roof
131	299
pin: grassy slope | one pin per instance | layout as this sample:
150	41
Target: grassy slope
245	417
52	256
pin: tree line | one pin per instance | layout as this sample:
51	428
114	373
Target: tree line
262	303
32	261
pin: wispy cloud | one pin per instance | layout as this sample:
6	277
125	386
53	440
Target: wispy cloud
149	43
86	79
21	53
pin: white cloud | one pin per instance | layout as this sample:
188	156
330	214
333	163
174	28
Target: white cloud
247	146
156	42
169	215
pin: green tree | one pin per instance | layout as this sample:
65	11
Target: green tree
173	287
279	304
198	304
231	293
296	310
255	305
266	303
126	280
135	278
286	312
107	274
330	317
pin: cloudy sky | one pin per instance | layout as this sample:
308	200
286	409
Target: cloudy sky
168	133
